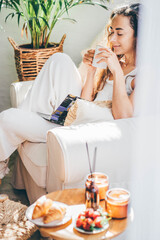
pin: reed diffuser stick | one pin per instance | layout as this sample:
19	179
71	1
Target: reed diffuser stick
89	159
94	159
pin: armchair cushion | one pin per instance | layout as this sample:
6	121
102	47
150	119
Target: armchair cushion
84	111
34	158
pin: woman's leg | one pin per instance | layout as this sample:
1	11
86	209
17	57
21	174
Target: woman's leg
58	78
16	126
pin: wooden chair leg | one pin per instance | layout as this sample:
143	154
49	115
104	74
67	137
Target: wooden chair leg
0	182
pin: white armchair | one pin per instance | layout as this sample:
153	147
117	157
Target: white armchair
62	162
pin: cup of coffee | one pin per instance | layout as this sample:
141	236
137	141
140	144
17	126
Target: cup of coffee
95	63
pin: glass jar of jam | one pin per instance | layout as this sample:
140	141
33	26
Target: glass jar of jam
117	200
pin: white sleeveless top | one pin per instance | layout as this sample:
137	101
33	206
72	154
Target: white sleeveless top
107	91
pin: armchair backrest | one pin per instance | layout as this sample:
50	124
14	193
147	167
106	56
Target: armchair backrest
18	92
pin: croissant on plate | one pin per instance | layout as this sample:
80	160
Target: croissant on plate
41	209
54	213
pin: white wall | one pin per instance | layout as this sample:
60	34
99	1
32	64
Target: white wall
90	21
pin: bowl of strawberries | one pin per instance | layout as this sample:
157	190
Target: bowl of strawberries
90	221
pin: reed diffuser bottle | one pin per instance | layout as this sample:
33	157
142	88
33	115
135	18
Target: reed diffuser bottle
91	190
91	194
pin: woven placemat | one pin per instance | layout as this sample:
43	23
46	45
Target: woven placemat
13	223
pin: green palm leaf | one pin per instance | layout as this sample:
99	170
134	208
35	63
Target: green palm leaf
44	20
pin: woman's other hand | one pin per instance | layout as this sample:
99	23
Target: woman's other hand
87	90
88	59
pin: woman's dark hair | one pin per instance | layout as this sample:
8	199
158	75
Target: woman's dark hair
131	11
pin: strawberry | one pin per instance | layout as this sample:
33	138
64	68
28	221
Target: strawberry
79	222
95	215
82	214
98	222
89	213
88	224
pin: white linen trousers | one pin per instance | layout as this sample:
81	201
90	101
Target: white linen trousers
58	78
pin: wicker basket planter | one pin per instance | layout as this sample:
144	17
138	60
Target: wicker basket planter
30	61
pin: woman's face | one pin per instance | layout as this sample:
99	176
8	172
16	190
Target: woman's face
121	35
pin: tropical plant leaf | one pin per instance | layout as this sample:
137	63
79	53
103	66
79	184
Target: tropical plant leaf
68	19
19	15
35	7
66	5
10	14
38	23
1	2
15	4
22	31
26	30
99	4
44	8
60	4
45	21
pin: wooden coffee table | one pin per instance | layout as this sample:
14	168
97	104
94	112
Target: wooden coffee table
77	197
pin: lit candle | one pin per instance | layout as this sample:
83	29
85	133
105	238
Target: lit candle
101	181
117	202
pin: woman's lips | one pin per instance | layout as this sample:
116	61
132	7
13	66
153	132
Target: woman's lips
116	46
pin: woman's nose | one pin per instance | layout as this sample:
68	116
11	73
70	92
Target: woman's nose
113	38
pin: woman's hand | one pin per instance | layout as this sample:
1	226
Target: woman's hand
108	56
87	90
88	59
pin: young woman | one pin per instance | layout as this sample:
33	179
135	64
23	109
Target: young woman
117	83
59	77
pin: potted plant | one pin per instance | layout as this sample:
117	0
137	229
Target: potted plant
39	18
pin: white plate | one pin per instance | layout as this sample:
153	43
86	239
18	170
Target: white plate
95	230
39	221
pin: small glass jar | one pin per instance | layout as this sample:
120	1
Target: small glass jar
101	181
91	194
117	200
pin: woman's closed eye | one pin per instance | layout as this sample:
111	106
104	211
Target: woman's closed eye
119	34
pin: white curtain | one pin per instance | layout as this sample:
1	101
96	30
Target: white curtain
145	170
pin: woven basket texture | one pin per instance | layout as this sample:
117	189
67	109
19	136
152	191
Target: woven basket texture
13	222
30	61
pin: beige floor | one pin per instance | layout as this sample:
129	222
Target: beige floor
15	195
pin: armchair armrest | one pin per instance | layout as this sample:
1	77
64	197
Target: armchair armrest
67	156
18	92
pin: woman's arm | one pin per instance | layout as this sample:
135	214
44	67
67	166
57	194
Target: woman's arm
122	105
87	90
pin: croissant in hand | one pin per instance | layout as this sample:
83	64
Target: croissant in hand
41	209
54	213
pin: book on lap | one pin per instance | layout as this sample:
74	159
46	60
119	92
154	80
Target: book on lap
60	114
